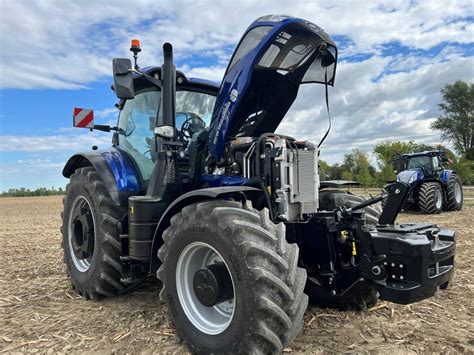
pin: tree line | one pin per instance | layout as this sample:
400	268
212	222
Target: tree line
356	165
24	192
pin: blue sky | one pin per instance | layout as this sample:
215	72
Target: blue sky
394	59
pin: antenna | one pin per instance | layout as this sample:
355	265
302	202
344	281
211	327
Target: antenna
135	48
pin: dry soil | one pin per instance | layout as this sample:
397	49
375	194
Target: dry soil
39	312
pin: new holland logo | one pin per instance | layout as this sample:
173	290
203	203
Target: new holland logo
233	95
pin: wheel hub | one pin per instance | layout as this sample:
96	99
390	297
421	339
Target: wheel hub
457	193
81	233
213	285
439	199
205	288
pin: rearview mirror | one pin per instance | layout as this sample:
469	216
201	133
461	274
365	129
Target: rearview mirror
123	78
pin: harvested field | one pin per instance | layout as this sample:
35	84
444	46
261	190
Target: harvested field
40	313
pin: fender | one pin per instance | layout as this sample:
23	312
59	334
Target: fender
444	176
115	170
187	199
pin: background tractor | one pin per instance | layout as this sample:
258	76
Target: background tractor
198	190
432	187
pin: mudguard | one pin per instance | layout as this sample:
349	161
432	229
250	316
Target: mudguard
185	200
115	170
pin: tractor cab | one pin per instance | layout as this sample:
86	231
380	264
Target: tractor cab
415	166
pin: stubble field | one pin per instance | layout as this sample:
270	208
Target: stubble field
39	312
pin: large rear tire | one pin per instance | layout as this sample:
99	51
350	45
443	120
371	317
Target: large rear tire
430	198
265	303
90	240
362	295
454	195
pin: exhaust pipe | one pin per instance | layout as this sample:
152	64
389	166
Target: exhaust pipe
164	183
168	74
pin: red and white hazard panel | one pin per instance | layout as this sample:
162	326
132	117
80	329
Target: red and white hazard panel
83	118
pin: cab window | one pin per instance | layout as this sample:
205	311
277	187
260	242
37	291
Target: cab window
137	121
140	116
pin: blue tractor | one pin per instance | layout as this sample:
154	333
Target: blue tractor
432	187
199	191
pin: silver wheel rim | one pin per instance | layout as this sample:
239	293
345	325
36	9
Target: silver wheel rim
209	320
457	192
439	199
81	265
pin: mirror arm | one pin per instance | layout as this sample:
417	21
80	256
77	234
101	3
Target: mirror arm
147	77
104	128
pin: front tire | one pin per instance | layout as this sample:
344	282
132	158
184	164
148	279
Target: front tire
362	295
430	198
90	241
265	303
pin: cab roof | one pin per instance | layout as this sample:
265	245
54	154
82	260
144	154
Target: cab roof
196	83
424	153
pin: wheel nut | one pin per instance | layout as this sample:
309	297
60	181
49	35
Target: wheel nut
376	270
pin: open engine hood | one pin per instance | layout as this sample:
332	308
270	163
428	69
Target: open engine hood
274	57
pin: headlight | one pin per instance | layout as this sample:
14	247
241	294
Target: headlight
413	177
165	131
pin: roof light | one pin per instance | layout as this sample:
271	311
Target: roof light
135	47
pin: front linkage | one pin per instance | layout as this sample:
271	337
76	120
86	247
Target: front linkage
404	262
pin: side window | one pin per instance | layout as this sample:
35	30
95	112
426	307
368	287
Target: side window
136	124
436	163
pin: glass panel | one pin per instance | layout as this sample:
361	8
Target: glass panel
422	162
195	102
319	73
136	124
250	41
289	51
138	119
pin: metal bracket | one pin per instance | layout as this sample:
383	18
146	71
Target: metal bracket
397	193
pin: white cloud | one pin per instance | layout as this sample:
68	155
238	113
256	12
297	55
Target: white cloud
400	106
69	45
66	45
54	143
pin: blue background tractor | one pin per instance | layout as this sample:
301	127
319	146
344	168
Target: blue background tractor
199	191
432	187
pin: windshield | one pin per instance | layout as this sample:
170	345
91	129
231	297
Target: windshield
421	162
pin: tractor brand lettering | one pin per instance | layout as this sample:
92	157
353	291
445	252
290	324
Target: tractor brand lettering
224	116
83	118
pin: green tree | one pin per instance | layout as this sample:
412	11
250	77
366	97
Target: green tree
323	170
456	122
357	167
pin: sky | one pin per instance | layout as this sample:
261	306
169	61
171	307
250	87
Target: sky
394	58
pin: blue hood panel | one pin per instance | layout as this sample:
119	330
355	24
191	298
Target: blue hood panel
275	55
